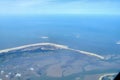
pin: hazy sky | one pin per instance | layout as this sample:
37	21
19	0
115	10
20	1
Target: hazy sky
59	7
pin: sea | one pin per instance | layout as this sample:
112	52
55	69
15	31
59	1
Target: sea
99	34
94	33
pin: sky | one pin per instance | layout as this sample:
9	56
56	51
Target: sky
27	7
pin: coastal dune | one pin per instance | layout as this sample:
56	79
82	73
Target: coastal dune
57	46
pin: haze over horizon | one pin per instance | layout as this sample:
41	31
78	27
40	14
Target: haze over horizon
32	7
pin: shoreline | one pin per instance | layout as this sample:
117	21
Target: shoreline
54	45
109	74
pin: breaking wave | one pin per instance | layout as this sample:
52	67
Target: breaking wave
50	46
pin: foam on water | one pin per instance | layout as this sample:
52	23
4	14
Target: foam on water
58	46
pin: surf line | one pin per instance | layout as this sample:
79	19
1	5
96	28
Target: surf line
58	46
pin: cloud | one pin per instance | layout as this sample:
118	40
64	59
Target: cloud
118	42
59	7
44	37
63	1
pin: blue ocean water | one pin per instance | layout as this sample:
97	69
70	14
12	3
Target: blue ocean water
88	37
93	33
